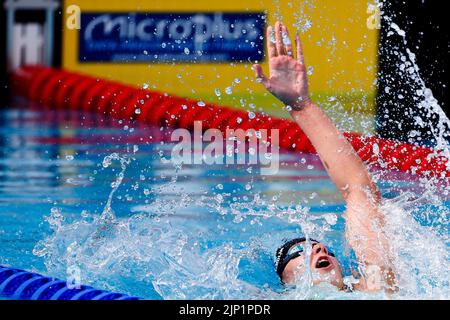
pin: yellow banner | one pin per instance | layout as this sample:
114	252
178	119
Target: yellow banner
339	40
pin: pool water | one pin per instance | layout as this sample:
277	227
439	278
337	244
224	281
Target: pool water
190	232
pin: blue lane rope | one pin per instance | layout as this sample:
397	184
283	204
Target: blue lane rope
23	285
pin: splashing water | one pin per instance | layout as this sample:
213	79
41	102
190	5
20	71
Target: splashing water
107	214
424	98
85	241
170	249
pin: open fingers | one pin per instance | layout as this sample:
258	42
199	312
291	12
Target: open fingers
260	77
286	40
279	39
271	49
300	56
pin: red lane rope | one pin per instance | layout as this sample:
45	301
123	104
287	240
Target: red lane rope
60	89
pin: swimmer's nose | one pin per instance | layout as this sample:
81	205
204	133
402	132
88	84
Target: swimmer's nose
320	248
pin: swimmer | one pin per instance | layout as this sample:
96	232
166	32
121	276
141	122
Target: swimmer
363	217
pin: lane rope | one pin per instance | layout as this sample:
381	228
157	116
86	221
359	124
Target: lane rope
23	285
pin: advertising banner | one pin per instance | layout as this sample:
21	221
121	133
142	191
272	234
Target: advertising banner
171	37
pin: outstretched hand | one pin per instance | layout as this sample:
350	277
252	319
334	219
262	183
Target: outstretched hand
288	79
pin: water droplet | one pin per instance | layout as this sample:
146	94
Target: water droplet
217	91
228	90
137	111
272	37
201	104
286	39
331	219
187	51
376	149
219	198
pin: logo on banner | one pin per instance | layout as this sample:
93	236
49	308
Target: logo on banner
183	37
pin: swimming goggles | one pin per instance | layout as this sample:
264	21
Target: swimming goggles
291	250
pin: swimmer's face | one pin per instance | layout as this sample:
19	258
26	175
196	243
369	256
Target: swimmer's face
324	267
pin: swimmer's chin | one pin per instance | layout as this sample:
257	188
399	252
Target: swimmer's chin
318	278
317	282
327	276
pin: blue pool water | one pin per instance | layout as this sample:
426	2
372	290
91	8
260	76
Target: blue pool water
196	232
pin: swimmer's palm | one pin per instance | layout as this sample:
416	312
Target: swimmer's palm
288	79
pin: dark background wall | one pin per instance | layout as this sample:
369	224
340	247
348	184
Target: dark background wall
426	24
26	16
3	90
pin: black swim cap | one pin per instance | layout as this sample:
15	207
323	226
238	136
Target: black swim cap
281	254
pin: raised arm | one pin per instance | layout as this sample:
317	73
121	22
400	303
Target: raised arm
364	221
